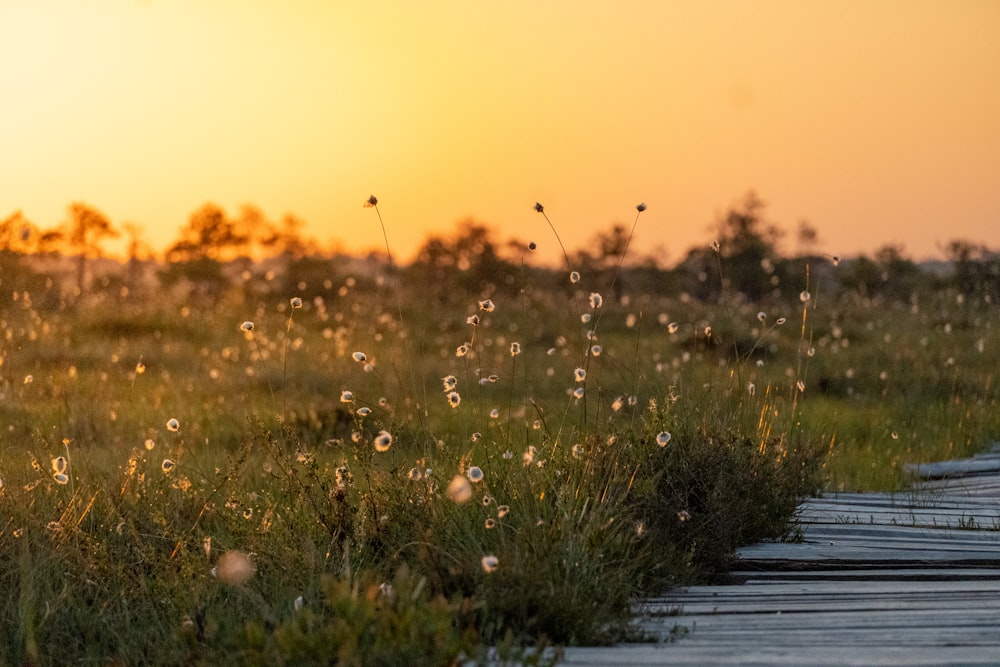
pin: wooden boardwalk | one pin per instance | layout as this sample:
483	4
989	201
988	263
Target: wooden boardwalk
878	579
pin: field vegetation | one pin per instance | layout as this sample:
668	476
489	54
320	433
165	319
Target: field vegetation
246	452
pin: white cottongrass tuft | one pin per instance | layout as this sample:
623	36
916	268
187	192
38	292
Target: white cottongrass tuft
359	357
383	441
454	399
579	375
235	568
59	464
247	326
167	465
173	425
475	474
459	489
296	303
663	438
596	300
490	563
346	396
487	305
574	277
515	349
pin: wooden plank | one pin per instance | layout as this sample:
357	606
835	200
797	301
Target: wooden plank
685	654
968	486
985	462
898	510
871	573
877	579
771	597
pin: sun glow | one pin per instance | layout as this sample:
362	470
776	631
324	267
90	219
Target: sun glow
876	121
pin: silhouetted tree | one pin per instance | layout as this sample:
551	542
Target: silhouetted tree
209	237
83	232
209	234
748	247
976	269
469	260
18	234
138	251
747	255
889	273
602	263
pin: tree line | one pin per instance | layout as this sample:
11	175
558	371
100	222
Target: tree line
745	257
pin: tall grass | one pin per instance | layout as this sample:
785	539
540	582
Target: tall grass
513	469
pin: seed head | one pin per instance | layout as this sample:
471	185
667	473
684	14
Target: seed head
173	425
296	303
490	563
59	464
454	399
663	438
235	568
247	326
371	201
383	441
539	208
515	349
641	207
167	465
459	489
475	474
487	305
359	357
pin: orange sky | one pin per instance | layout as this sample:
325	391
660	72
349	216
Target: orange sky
877	121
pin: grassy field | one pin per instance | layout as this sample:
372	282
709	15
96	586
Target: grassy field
358	466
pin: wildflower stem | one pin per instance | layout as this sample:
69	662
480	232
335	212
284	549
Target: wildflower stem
373	202
628	242
569	265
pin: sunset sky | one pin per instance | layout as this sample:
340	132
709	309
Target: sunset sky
878	121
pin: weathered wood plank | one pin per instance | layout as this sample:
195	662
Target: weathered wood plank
685	654
980	463
871	573
968	486
886	509
826	596
878	579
